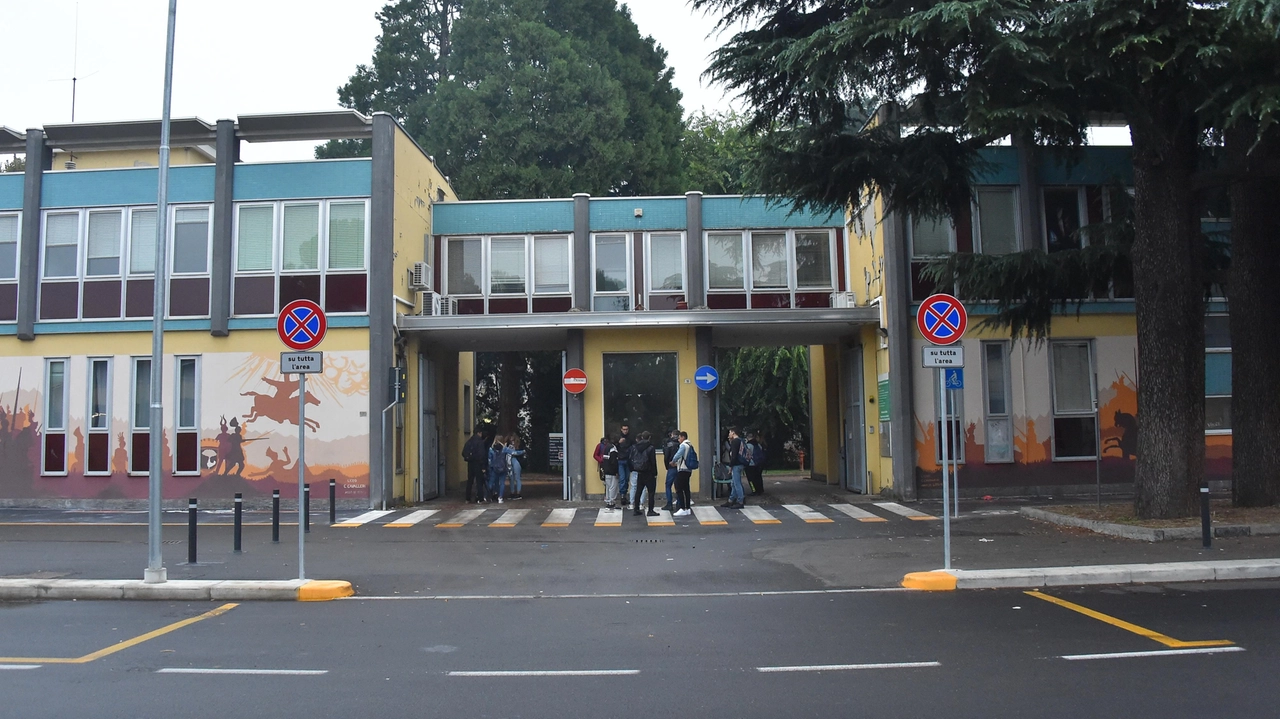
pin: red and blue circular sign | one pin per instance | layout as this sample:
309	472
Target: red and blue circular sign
942	319
301	325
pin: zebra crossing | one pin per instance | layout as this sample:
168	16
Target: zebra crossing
613	518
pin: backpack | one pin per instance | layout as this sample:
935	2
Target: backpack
749	454
690	459
469	450
498	461
641	460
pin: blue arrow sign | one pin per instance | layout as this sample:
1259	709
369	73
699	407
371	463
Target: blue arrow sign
706	378
955	377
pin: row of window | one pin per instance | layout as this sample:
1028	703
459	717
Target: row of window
100	457
994	226
777	261
1074	393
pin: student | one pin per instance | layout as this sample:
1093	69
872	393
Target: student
624	459
475	454
609	469
732	455
669	449
514	470
755	456
685	461
644	464
497	467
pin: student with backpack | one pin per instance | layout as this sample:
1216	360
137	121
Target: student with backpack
755	456
731	455
644	464
474	453
609	470
497	467
685	461
669	449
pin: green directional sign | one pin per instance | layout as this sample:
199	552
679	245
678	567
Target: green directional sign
882	398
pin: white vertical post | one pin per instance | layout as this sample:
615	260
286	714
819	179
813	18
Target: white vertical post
302	472
955	457
944	436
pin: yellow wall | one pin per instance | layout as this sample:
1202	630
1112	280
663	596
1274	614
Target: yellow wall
824	407
595	344
109	159
875	362
175	342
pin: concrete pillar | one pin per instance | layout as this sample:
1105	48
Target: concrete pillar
575	422
708	442
226	154
695	290
39	160
381	305
582	252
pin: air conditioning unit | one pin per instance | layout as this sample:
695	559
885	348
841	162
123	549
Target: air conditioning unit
420	276
434	305
843	300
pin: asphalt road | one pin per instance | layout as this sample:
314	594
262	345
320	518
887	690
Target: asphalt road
835	653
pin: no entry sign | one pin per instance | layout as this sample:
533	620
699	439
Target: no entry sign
301	325
575	381
942	319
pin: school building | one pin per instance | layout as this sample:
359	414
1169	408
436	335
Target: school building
638	292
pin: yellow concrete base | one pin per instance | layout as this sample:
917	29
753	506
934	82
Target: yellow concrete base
324	590
930	581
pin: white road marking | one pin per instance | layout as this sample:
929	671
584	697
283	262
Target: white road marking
364	518
664	519
810	516
846	667
759	515
510	518
19	666
857	513
633	595
412	518
1154	653
609	518
560	518
907	512
263	672
549	673
461	519
709	515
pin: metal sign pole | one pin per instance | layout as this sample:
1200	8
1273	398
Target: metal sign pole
302	471
955	457
944	437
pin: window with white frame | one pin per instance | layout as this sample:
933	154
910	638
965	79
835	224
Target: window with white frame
465	259
1064	212
346	236
996	220
780	261
666	262
724	261
996	403
102	251
611	274
1217	375
187	449
1074	400
931	237
769	261
552	267
61	245
8	246
54	431
507	266
190	241
301	248
142	241
813	260
140	416
255	233
98	459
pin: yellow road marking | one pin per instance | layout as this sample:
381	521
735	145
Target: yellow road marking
122	645
922	519
1129	627
144	524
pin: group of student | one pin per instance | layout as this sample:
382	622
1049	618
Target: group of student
630	468
740	456
493	463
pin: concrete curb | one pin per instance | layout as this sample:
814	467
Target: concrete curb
183	590
1034	577
1148	534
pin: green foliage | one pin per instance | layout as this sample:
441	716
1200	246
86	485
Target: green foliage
17	164
717	149
766	389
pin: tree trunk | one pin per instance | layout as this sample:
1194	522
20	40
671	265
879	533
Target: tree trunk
510	381
1168	261
1255	351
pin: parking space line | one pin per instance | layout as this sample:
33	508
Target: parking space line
19	666
709	516
902	511
548	673
365	518
122	645
560	517
758	515
857	513
1155	653
411	519
262	672
510	518
609	517
1128	626
461	518
846	667
810	516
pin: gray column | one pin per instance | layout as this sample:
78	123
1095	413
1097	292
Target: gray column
901	360
1029	194
708	442
575	422
223	185
695	291
381	304
582	252
39	159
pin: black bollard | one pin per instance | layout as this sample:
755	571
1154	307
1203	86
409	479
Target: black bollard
236	535
306	508
333	498
191	531
275	516
1206	534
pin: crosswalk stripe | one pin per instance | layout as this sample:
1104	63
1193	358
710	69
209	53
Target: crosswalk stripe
810	516
510	518
709	516
907	512
461	518
609	517
857	513
664	519
759	516
412	518
364	518
560	517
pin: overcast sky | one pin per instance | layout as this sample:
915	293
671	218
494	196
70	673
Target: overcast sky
239	57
